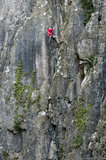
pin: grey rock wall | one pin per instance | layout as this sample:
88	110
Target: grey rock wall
53	106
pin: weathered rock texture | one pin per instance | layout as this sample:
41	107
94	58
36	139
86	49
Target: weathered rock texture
52	96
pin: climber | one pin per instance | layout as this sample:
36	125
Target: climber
50	33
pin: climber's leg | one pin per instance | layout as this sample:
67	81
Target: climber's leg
55	39
49	38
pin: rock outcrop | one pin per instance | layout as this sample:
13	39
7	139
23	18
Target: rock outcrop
52	96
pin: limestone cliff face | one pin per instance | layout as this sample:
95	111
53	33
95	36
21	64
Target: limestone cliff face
52	96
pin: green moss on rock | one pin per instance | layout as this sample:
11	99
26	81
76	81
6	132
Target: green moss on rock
80	118
22	93
69	2
18	119
91	62
22	96
33	77
77	141
80	114
5	155
87	6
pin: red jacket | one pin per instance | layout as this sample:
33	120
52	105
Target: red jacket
50	32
